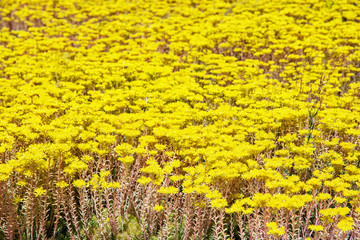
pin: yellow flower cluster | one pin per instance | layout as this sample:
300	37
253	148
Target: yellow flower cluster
158	208
316	228
98	181
274	229
39	191
346	224
214	98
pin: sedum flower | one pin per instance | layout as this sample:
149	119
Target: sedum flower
346	224
323	196
273	229
158	208
79	183
218	203
168	190
62	184
39	191
316	228
144	180
17	199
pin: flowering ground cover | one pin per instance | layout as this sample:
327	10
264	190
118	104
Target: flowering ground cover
179	119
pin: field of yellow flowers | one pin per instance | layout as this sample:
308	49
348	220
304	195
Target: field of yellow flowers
179	119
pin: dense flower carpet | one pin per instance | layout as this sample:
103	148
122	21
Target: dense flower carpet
179	119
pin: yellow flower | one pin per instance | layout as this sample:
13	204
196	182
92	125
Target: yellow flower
218	203
160	147
144	180
339	199
79	183
39	191
168	190
323	196
62	184
214	195
114	185
260	100
127	159
316	228
17	199
346	224
124	149
273	229
158	208
21	183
